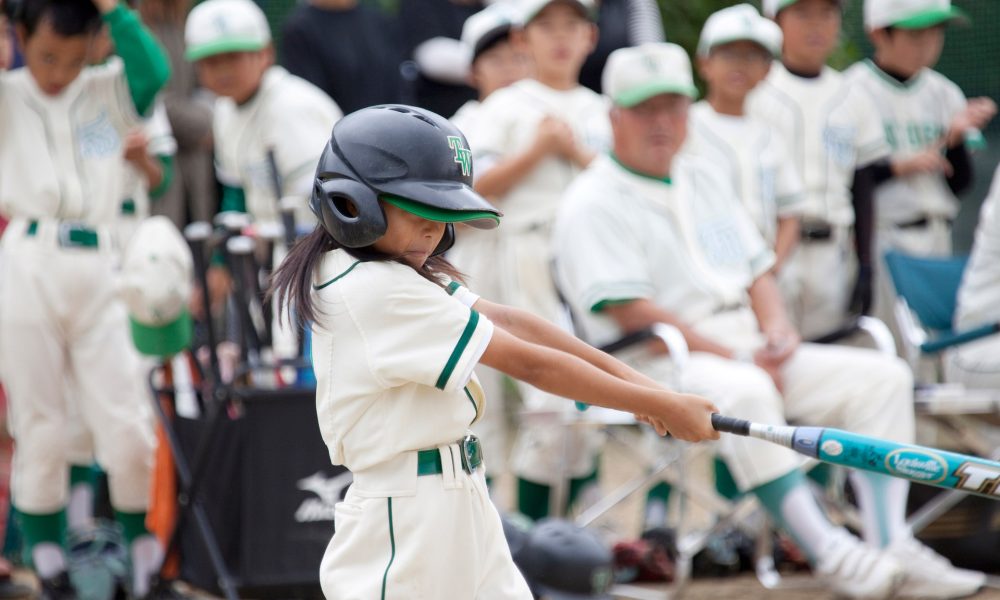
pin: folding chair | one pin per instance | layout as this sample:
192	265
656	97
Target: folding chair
927	291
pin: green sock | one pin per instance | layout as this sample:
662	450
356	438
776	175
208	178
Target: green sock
659	492
38	528
724	482
533	498
773	496
133	525
80	474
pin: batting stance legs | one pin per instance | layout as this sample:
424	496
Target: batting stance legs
60	316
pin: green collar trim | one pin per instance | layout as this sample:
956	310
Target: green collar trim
349	269
441	215
907	85
665	180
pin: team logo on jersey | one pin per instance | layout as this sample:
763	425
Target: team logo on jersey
839	144
463	156
98	138
328	491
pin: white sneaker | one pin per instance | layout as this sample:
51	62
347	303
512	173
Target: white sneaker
930	575
855	570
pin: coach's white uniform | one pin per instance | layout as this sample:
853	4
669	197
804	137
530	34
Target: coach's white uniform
977	364
756	161
393	355
830	130
689	247
61	174
288	116
914	212
522	262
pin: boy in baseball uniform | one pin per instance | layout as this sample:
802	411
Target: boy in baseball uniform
269	126
735	50
928	124
494	63
61	169
647	236
836	144
531	139
396	338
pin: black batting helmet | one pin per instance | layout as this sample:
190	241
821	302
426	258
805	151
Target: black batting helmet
564	562
411	157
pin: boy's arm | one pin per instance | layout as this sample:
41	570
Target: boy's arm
866	179
785	240
146	66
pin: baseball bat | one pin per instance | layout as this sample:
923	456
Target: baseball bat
930	466
287	215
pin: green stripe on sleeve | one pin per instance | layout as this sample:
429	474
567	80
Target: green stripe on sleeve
392	557
456	354
167	164
453	287
600	306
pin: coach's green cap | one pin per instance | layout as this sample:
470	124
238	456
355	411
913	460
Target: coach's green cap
222	26
911	14
635	74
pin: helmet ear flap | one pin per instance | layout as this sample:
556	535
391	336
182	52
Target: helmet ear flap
447	240
349	211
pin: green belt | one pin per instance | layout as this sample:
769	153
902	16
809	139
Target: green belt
429	461
70	235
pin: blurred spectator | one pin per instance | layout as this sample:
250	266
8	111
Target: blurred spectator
431	30
350	51
622	23
192	195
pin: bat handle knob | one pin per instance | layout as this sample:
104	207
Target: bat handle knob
730	425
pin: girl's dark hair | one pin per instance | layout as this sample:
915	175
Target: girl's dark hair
68	17
291	283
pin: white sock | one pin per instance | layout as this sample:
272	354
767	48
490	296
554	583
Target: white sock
147	555
48	559
80	510
805	520
882	500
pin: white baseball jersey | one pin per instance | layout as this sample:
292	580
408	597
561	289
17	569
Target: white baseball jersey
159	142
979	296
61	157
467	117
755	158
914	116
288	116
507	125
686	245
392	350
830	130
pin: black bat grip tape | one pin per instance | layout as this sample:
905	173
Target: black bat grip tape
730	425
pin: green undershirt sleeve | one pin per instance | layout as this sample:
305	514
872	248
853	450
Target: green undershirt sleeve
147	68
167	164
233	198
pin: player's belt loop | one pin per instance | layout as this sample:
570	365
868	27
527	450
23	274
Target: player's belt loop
76	235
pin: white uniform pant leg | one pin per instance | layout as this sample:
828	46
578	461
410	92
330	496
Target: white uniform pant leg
744	391
933	240
443	541
856	389
113	399
32	366
825	272
975	364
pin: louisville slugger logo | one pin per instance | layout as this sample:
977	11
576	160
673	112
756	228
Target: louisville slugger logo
463	156
976	477
917	465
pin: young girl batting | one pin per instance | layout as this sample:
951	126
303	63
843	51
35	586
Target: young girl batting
396	337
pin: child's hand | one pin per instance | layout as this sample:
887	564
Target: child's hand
105	6
6	43
553	136
135	146
686	417
928	161
977	114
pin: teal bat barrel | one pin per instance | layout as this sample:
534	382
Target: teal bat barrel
917	463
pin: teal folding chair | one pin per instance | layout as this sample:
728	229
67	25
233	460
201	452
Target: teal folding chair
927	293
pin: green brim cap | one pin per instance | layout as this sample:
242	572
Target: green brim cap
223	46
638	95
163	340
443	215
933	17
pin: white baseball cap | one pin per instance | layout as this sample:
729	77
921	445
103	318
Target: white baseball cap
220	26
530	8
773	7
739	23
635	74
487	26
910	14
156	286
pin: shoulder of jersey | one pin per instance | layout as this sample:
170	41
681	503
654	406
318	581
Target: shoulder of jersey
297	92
